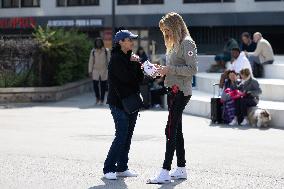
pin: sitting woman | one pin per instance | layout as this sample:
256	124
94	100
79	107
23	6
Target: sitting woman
232	82
249	96
230	85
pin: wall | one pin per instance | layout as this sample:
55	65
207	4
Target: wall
48	8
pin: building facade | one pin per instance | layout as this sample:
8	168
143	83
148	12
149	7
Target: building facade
209	21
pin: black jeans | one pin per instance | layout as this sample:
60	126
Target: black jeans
117	158
173	131
100	93
242	105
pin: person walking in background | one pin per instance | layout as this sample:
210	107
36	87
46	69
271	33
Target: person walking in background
98	63
180	67
125	76
248	97
145	85
247	45
142	54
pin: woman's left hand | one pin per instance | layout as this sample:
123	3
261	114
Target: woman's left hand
163	70
134	58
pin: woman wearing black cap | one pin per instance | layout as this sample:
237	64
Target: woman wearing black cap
125	75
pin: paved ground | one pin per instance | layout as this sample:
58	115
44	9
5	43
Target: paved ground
64	144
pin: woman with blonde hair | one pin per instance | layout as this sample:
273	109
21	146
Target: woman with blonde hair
180	67
250	97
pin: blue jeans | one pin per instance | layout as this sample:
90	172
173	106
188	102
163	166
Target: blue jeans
117	158
253	60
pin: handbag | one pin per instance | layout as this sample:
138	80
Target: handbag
132	103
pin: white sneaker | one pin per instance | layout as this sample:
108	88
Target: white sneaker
179	173
234	122
244	122
110	176
127	173
162	178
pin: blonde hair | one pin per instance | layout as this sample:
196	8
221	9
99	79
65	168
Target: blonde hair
174	30
245	72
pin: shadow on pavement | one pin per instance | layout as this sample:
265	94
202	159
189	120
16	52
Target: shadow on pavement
239	127
108	184
172	184
120	183
81	101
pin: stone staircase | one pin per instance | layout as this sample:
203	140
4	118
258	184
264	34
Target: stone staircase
272	86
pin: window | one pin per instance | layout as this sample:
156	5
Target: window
20	3
64	3
82	2
10	4
30	3
152	1
136	2
208	1
61	3
127	2
267	0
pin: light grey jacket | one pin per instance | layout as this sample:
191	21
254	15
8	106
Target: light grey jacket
263	50
182	64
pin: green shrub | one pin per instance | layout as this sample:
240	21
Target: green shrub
52	57
63	55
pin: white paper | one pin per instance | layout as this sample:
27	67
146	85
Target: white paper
150	68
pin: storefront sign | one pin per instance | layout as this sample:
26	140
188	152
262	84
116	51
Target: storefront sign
15	23
78	22
60	23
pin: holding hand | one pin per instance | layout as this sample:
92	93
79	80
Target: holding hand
163	70
134	58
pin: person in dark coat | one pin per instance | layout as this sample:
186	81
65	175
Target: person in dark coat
142	54
247	44
125	76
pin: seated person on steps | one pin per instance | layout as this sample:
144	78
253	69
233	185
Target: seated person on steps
224	57
248	96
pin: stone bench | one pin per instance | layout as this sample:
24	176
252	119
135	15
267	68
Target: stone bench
44	94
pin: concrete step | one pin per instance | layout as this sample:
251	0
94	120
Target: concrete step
199	105
272	89
278	59
273	71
